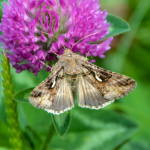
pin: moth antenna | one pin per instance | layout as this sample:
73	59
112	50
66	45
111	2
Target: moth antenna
55	53
84	38
45	64
88	52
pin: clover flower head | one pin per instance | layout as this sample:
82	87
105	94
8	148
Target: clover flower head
34	30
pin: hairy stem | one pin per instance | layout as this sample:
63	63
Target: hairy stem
11	106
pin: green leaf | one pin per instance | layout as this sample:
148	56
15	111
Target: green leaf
37	119
134	146
0	16
56	149
28	145
95	129
117	25
23	95
1	6
2	148
62	123
34	138
0	12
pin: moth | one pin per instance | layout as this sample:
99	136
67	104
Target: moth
73	74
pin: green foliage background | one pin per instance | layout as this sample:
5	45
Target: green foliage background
125	124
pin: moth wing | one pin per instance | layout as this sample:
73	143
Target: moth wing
110	84
42	96
50	94
89	96
63	100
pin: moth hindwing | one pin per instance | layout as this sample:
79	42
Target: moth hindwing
95	86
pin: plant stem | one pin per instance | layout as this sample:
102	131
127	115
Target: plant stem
49	137
11	105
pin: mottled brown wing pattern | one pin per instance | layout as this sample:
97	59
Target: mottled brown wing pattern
53	94
63	100
89	96
110	84
42	96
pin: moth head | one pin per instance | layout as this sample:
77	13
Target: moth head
65	53
67	50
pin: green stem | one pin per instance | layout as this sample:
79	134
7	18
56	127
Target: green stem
49	137
11	106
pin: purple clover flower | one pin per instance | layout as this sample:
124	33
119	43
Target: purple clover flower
30	28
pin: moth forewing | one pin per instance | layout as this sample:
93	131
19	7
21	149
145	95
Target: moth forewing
111	85
89	96
54	94
63	99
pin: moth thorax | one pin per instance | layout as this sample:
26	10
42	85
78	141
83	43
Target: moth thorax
72	68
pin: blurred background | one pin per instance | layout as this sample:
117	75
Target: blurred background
125	124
